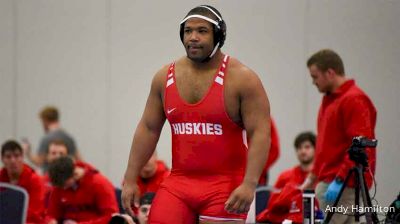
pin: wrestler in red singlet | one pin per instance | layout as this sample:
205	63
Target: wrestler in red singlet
214	105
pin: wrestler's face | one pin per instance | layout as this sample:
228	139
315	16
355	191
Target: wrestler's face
198	39
322	80
305	153
13	161
56	151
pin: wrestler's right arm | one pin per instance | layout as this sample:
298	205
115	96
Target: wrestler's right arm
144	140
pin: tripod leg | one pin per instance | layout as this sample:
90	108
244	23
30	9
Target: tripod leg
357	195
331	213
371	216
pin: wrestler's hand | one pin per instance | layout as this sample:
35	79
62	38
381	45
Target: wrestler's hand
240	199
130	196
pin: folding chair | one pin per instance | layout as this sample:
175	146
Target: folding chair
13	204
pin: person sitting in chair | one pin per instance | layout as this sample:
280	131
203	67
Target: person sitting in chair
79	194
288	180
16	172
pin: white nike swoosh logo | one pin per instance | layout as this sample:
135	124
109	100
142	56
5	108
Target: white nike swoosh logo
170	111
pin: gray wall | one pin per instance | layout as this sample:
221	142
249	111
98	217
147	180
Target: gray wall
95	59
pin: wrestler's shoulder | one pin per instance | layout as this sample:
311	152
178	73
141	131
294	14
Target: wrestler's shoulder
239	72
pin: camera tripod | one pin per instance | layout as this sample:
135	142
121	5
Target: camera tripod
358	155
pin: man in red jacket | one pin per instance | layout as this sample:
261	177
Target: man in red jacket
81	194
277	209
58	148
150	178
152	175
346	112
17	173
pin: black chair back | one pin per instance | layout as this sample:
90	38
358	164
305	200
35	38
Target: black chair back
13	204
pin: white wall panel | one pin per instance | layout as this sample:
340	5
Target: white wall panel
7	70
61	61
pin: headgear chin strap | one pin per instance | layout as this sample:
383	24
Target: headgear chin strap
219	29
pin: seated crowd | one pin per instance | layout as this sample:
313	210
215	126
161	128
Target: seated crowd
72	191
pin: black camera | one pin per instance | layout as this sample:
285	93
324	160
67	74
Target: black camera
357	149
361	141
